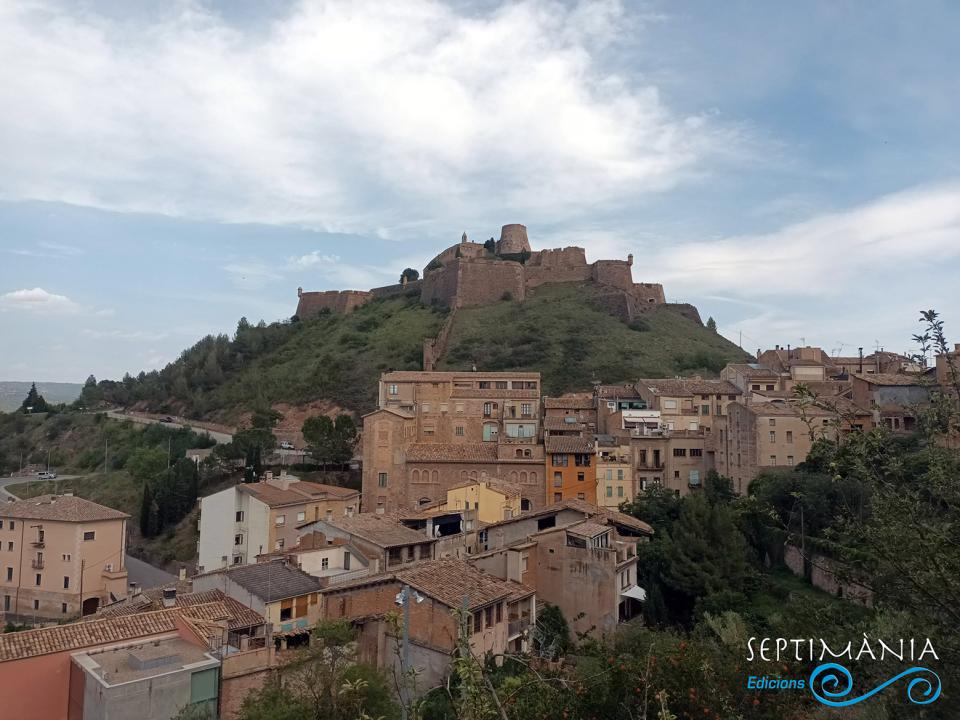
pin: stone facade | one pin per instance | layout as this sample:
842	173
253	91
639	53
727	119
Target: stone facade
470	274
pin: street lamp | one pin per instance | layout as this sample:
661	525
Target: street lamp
403	600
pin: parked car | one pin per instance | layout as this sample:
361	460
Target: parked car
286	445
166	419
46	475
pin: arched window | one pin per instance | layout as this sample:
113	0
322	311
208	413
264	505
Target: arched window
463	476
523	477
415	476
513	476
435	476
519	452
533	477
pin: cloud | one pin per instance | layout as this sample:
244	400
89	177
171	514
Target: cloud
342	116
311	259
829	255
38	301
124	334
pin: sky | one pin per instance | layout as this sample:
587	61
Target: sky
166	168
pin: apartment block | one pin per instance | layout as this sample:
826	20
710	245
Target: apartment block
615	472
251	519
60	556
434	430
571	468
385	543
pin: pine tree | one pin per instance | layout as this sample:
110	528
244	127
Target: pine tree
711	324
34	402
147	513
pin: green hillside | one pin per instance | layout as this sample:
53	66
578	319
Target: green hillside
561	330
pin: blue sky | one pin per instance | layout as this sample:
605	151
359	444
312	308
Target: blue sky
168	167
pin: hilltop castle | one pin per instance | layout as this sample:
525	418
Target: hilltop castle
470	274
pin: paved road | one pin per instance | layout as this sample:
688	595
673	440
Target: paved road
4	482
220	437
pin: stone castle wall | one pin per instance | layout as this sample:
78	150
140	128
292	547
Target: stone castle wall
311	304
567	264
396	289
615	273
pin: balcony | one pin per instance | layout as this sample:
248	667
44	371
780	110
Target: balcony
517	627
112	573
38	543
36	564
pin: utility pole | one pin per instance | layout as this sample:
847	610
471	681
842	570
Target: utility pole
106	446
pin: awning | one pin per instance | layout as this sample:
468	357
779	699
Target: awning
635	592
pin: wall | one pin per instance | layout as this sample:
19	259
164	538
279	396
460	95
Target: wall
311	304
616	273
822	573
243	673
397	289
217	521
484	282
567	264
571	486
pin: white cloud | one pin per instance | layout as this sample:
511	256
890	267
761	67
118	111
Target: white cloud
829	255
312	259
346	116
38	300
124	334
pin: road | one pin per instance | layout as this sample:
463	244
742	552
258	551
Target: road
220	437
4	482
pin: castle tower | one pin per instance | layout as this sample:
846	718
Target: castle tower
513	240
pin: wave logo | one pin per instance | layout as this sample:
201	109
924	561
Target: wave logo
825	684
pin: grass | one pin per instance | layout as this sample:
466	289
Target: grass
335	357
573	342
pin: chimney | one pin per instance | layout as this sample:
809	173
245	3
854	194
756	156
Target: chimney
132	590
183	572
169	597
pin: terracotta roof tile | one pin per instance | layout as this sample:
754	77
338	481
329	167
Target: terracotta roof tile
383	531
452	452
239	615
685	387
65	508
890	379
270	581
568	403
297	492
567	444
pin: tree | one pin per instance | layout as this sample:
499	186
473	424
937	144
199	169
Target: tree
490	245
147	463
551	636
711	324
330	441
34	402
149	513
409	275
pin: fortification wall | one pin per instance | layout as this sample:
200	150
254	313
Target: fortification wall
397	289
615	273
440	285
567	264
483	282
687	310
434	348
310	304
460	250
648	293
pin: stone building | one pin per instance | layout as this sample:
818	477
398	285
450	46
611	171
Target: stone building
434	430
61	556
471	274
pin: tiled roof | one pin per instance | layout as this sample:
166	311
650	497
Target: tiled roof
610	517
239	615
753	370
890	379
383	531
493	393
78	635
448	581
685	387
499	486
568	403
452	452
784	408
297	492
66	508
270	581
560	424
628	391
566	444
425	376
587	529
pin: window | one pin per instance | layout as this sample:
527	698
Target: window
773	459
558	479
36	604
477	622
581	496
203	686
773	436
789	436
581	460
286	610
619	474
789	459
487	409
66	582
238	539
6	603
769	387
609	490
39	579
669	404
10	546
392	389
239	516
459	430
90	535
301	516
280	520
500	384
63	608
619	490
382	479
1	524
9	573
13	524
325	563
558	460
458	407
557	497
499	612
696	452
300	607
773	422
526	409
425	407
238	559
704	409
488	616
580	477
490	432
679	452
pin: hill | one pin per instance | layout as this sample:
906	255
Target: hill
335	359
12	393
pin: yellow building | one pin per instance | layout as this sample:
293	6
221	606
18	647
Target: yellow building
494	501
615	481
571	469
